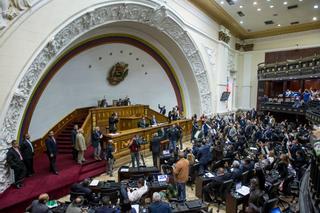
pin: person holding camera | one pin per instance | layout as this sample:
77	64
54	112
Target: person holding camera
134	147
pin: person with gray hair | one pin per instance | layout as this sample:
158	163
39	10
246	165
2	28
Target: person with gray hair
157	206
235	171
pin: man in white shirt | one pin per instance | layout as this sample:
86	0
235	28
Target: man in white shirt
134	194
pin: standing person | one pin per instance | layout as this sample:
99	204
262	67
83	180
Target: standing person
181	174
80	146
134	147
155	148
96	138
51	145
162	109
113	120
27	152
73	140
173	136
15	162
109	157
180	134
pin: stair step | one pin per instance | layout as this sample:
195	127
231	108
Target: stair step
91	167
92	173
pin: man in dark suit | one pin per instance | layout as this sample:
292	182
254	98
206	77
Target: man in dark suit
143	123
162	109
15	162
213	187
155	148
51	145
27	152
204	157
82	187
113	120
74	133
173	136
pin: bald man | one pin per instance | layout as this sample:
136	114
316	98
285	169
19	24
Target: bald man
39	206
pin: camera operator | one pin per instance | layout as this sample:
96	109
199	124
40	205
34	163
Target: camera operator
134	147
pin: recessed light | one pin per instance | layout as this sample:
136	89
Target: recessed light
241	22
315	6
279	25
285	3
300	0
221	2
259	9
268	0
241	6
314	18
271	6
255	3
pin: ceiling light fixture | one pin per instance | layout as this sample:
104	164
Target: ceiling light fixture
300	0
241	22
255	3
221	2
259	9
279	25
285	3
271	6
315	6
241	6
314	18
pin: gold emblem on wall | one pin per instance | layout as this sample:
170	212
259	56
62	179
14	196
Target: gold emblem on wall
118	73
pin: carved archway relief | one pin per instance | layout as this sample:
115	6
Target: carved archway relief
151	14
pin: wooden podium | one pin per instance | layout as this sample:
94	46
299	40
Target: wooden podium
127	127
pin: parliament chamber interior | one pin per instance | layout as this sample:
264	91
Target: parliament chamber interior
159	106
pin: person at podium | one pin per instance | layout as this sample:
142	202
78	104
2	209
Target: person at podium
113	120
153	121
143	123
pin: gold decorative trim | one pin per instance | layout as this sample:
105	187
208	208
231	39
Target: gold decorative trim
219	15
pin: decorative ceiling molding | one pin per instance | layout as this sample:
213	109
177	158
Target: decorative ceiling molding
218	14
149	13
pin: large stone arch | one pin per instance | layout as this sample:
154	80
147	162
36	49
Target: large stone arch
149	13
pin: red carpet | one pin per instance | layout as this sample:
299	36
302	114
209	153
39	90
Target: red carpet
16	200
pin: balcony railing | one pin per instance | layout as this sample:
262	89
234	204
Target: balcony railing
300	68
310	110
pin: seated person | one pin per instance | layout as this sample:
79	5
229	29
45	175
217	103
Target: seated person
106	206
157	206
75	206
39	206
256	197
153	120
213	187
134	194
143	123
235	171
82	187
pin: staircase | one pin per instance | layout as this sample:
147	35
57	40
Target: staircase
64	137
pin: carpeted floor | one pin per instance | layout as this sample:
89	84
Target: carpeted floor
16	200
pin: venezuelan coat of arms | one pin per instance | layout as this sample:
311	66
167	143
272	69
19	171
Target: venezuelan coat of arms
118	73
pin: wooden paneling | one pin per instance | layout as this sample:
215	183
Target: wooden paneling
279	56
312	83
121	139
294	85
75	115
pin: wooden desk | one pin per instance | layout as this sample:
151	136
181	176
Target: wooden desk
147	171
182	207
200	182
232	202
121	138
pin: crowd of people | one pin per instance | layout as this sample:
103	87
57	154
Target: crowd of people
226	146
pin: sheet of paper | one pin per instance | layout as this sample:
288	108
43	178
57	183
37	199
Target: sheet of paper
244	190
94	183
